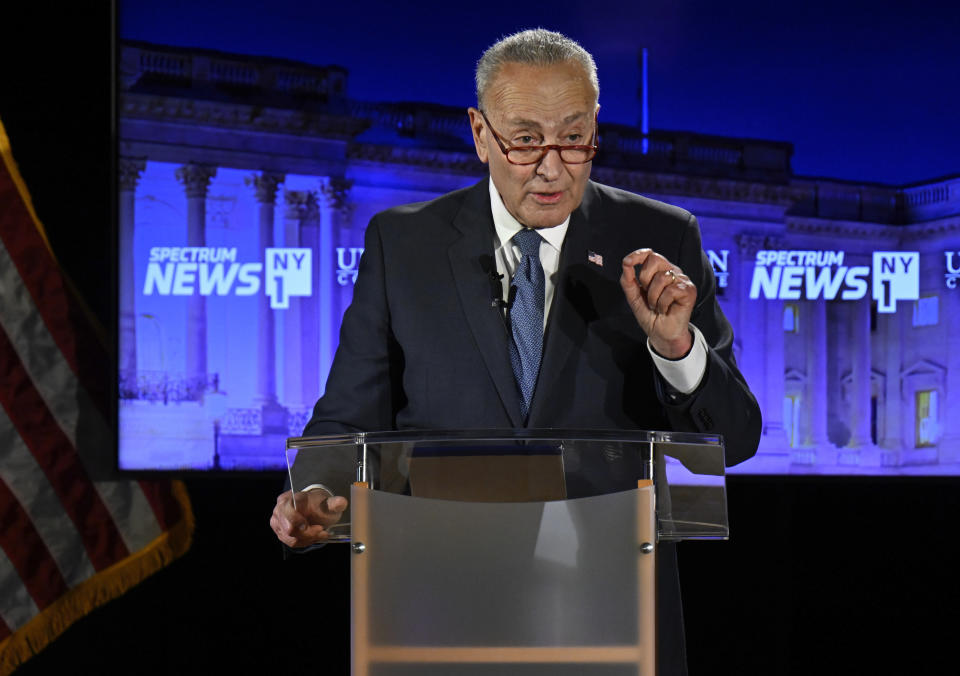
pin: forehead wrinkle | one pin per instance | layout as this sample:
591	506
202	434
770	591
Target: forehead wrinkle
573	72
508	97
517	100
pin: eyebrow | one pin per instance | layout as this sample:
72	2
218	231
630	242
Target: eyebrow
523	122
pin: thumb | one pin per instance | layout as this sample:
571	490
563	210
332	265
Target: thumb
335	504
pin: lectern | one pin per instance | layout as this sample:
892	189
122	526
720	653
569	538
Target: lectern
521	552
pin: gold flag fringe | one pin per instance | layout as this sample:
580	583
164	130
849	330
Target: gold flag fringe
95	591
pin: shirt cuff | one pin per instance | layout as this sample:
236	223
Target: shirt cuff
313	487
686	373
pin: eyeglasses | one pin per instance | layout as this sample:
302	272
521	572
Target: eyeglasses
532	154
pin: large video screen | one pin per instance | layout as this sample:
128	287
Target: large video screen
246	182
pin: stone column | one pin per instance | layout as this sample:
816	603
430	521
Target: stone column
860	442
274	418
128	170
302	320
750	328
892	440
196	181
773	428
824	452
336	212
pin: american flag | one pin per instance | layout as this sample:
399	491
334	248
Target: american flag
595	258
71	537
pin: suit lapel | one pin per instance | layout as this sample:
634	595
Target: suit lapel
472	263
566	327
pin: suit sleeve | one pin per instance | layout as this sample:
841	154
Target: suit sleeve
364	389
723	403
364	386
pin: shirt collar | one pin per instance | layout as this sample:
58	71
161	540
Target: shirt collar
507	226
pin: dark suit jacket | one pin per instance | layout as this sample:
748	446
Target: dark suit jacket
422	347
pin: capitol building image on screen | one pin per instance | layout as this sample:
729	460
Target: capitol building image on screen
246	183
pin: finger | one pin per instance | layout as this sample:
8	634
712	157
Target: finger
659	283
679	296
634	292
309	512
640	269
631	263
635	296
631	289
655	266
310	536
328	511
303	510
287	523
334	505
284	509
635	258
310	503
314	534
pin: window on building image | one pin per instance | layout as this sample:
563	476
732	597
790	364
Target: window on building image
791	318
926	311
791	418
926	418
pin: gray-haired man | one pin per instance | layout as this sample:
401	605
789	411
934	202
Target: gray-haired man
633	337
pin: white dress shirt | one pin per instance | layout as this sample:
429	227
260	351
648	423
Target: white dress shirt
684	375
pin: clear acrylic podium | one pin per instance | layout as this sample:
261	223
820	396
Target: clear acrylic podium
521	552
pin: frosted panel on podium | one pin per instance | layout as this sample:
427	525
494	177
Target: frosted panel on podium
452	587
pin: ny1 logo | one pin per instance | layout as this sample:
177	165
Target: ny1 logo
788	275
215	271
896	276
288	274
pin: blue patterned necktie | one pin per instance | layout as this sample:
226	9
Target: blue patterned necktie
526	317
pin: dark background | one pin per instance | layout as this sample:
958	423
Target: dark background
864	89
826	575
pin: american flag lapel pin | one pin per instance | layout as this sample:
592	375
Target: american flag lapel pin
595	258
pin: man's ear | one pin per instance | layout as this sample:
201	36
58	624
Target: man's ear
479	129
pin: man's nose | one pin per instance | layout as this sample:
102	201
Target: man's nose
551	166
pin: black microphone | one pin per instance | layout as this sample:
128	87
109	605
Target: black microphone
496	288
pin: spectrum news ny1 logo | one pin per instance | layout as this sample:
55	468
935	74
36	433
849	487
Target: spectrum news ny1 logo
790	275
209	271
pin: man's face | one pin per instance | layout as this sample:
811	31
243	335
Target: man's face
537	105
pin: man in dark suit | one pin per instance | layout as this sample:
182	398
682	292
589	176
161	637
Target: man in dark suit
598	333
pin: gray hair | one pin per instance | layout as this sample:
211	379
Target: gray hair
536	46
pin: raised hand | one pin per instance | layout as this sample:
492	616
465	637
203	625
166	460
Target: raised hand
662	299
